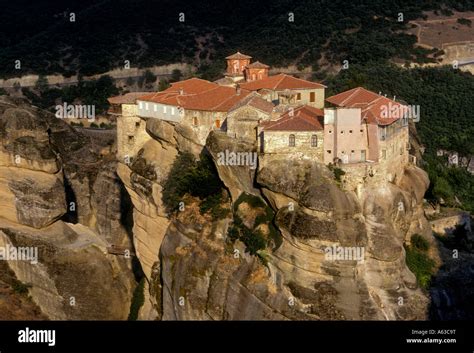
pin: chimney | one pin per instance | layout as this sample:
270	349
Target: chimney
237	90
181	91
394	98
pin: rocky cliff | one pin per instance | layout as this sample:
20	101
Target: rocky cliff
196	270
60	195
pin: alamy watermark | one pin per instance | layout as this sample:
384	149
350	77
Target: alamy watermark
344	253
398	111
13	253
71	111
231	158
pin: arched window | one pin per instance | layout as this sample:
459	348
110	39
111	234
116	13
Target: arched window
195	121
314	141
292	140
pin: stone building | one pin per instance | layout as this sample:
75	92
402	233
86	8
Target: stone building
363	132
243	118
256	71
365	127
198	104
288	90
130	127
236	64
298	132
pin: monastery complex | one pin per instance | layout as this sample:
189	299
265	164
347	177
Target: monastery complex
362	132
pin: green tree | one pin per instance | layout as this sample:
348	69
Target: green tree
42	83
176	75
164	84
150	77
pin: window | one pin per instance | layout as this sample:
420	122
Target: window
164	109
328	151
140	105
146	106
312	97
363	156
155	107
292	141
195	121
314	141
350	131
352	151
172	110
130	139
342	131
384	154
361	130
298	96
330	131
218	123
137	124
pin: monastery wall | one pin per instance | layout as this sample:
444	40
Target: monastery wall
131	133
278	142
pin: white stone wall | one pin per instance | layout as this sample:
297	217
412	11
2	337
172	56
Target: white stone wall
159	111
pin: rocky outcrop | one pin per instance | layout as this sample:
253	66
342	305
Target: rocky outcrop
59	195
199	274
236	178
143	180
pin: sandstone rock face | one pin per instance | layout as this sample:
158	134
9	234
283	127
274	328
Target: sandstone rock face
75	278
49	173
31	198
236	178
195	273
143	180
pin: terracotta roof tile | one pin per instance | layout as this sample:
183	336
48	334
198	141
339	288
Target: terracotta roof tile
304	118
238	55
373	105
280	82
191	86
198	94
255	100
257	65
127	98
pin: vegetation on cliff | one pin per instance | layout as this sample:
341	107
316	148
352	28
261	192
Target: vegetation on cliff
198	179
256	233
418	261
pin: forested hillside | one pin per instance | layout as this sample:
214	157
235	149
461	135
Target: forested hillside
279	32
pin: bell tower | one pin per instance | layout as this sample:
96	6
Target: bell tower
236	64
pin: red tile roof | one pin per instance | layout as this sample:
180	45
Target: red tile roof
191	86
373	106
280	82
198	94
238	55
127	98
255	100
257	65
304	118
